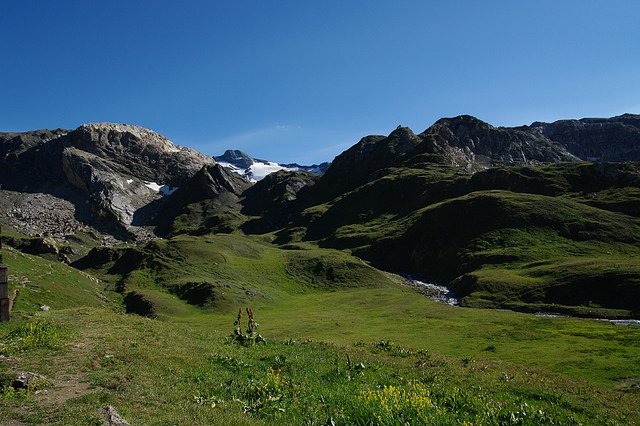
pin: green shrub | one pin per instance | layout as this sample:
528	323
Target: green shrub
41	333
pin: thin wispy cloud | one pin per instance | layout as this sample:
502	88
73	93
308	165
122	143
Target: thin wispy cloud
287	143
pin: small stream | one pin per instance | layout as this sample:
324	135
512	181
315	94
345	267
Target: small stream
443	294
625	322
436	292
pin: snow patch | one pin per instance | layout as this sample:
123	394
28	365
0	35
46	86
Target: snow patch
129	181
163	189
232	167
153	186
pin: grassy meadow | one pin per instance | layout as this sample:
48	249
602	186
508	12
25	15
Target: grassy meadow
345	344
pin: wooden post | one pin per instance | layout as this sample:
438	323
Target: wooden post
4	287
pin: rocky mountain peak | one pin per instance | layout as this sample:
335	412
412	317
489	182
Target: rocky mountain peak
597	139
255	170
472	144
113	138
402	139
115	176
459	127
237	158
127	135
136	151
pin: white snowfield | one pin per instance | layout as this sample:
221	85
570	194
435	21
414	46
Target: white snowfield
257	171
260	170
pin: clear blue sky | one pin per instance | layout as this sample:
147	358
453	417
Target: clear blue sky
304	80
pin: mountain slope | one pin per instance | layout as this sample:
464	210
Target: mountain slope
597	139
109	176
209	202
409	203
472	145
453	203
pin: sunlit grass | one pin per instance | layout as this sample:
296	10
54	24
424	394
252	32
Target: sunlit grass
349	346
188	371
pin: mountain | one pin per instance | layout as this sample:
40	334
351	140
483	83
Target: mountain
472	145
121	179
510	218
596	139
125	181
113	177
530	217
254	170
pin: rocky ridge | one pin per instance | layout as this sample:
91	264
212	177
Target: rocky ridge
126	180
472	145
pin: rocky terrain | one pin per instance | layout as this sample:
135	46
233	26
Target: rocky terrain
127	182
111	177
114	178
472	145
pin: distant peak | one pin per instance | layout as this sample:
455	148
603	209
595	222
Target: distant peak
458	126
462	120
402	131
234	155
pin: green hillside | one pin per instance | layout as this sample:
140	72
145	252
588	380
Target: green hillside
345	343
485	234
149	328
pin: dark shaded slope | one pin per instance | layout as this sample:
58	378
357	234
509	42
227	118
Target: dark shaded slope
27	159
273	200
373	209
209	202
408	203
601	139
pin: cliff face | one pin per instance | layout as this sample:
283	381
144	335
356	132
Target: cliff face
473	144
136	151
111	176
596	139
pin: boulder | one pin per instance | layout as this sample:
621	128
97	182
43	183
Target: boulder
24	379
112	418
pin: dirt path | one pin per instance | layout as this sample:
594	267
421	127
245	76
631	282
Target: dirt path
16	291
68	386
64	390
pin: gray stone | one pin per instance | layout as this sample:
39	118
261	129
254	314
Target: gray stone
112	418
23	380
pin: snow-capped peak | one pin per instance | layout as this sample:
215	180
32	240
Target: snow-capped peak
254	170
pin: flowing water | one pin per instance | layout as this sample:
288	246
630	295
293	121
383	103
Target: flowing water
443	294
436	292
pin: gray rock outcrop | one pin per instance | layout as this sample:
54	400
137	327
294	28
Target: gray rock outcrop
112	418
25	379
113	177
